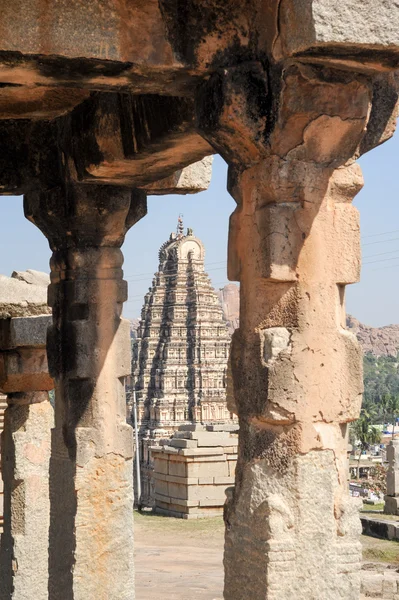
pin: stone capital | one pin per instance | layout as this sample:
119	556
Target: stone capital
84	216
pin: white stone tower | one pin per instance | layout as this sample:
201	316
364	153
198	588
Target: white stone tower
180	358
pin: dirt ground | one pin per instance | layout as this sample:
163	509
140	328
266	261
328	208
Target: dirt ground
182	560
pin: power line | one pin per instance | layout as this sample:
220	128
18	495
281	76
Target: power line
378	234
383	268
371	262
381	242
380	254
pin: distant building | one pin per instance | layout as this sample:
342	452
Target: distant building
182	347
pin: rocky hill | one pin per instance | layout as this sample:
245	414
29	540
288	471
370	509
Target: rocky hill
380	341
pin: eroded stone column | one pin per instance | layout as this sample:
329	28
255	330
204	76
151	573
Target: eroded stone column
292	529
25	457
91	487
290	138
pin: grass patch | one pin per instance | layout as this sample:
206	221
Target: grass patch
190	527
380	550
372	507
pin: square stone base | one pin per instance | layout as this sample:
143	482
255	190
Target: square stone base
391	505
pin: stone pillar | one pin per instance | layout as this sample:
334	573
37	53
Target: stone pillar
295	371
392	496
91	472
25	458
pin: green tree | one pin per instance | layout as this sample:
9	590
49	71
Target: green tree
365	433
393	408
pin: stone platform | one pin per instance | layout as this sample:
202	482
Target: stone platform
192	472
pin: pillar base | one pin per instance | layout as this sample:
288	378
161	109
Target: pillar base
291	533
391	505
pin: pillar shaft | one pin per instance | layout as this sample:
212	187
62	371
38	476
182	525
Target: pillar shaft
291	529
290	137
91	487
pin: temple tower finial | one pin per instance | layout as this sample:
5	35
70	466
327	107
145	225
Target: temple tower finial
180	226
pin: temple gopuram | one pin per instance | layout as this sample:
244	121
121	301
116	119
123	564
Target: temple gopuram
180	356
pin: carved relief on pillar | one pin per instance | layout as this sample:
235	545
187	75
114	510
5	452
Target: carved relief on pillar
295	372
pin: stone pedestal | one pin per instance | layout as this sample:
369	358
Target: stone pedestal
392	496
91	471
25	458
192	472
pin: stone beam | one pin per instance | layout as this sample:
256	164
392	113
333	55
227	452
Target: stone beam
190	180
168	47
91	470
296	372
113	139
355	33
25	458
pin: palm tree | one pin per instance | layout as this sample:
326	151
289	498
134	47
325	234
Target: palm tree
393	408
384	407
366	433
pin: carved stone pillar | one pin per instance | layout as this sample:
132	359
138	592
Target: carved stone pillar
91	488
392	496
25	458
296	372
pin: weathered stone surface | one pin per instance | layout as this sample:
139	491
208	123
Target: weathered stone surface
25	465
91	470
357	30
24	331
193	482
23	294
24	369
190	180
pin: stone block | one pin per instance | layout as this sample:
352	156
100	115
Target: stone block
182	443
211	439
233	427
161	487
391	505
371	584
177	468
190	180
24	331
214	469
24	370
161	466
232	468
212	502
223	480
178	491
205	480
206	492
20	298
192	427
202	451
358	30
170	450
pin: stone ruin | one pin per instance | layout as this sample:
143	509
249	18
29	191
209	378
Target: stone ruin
180	355
104	102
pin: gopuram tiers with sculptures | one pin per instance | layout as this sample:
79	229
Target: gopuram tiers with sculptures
180	358
104	102
179	366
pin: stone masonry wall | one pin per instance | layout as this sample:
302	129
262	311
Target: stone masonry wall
193	471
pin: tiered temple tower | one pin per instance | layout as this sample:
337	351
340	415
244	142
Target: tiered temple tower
180	358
